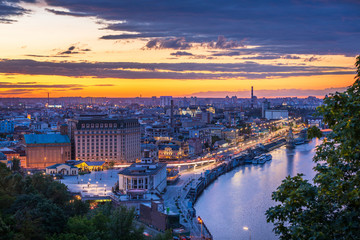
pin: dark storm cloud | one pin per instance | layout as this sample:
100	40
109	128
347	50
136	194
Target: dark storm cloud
184	71
24	85
181	53
224	43
312	59
26	82
291	57
171	43
265	57
10	9
63	53
73	14
284	27
73	50
42	56
229	53
16	91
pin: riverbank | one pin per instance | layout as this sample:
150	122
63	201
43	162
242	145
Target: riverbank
240	197
227	166
192	188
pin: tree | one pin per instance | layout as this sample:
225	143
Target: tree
165	236
36	216
122	225
314	132
16	164
111	164
214	139
328	208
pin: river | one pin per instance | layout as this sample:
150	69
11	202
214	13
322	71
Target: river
241	197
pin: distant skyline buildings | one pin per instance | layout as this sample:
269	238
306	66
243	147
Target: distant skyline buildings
157	48
260	93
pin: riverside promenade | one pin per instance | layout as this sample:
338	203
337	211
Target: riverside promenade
182	196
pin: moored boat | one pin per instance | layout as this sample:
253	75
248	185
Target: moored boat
268	156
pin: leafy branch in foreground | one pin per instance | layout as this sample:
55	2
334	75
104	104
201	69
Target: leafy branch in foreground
330	207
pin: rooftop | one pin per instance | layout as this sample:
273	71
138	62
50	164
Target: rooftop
45	138
141	169
59	164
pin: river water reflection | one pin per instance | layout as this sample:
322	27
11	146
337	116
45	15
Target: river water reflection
241	197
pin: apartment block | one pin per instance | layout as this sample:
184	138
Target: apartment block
102	139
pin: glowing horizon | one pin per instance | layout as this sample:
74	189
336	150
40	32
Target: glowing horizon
51	46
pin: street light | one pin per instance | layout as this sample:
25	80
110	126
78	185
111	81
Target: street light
248	229
201	222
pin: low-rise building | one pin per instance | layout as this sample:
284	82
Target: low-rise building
230	134
172	150
88	165
11	154
62	168
149	153
155	214
143	176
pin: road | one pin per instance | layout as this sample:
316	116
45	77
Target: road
175	196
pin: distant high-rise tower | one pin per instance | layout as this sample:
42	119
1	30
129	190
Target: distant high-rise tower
172	114
165	101
252	97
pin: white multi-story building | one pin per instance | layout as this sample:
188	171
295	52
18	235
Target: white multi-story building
143	176
107	140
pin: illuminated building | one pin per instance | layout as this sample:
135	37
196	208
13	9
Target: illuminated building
102	139
143	176
44	150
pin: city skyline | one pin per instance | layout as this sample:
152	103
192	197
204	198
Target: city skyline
203	49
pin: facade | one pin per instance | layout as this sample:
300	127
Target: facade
155	214
230	134
40	126
103	139
195	146
172	150
276	114
43	150
149	153
157	131
62	168
143	176
87	166
165	101
6	126
11	154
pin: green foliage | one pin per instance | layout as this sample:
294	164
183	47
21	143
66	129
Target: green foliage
214	139
314	132
111	164
37	207
104	223
166	236
330	207
16	164
36	216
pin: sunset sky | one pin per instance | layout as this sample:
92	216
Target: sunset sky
198	48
